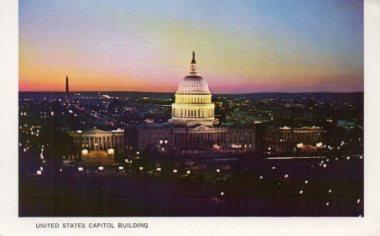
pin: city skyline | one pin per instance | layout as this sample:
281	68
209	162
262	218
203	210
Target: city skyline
255	47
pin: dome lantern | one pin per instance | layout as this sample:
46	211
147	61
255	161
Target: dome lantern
193	66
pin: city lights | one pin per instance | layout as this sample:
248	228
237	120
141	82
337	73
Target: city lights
84	152
111	151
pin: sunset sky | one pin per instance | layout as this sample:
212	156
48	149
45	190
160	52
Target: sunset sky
241	46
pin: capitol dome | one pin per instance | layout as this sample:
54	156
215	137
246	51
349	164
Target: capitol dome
193	84
193	105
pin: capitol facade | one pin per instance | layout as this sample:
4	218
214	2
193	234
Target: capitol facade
193	127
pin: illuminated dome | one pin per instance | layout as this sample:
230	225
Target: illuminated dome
193	84
193	104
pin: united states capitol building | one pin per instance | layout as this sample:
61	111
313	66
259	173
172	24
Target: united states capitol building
193	128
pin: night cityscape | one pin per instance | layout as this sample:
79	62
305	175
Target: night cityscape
287	182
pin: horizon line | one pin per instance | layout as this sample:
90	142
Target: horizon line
127	91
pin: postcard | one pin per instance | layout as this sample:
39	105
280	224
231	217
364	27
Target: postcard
131	114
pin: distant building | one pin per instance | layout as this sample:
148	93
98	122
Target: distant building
192	128
98	146
246	118
345	124
287	139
